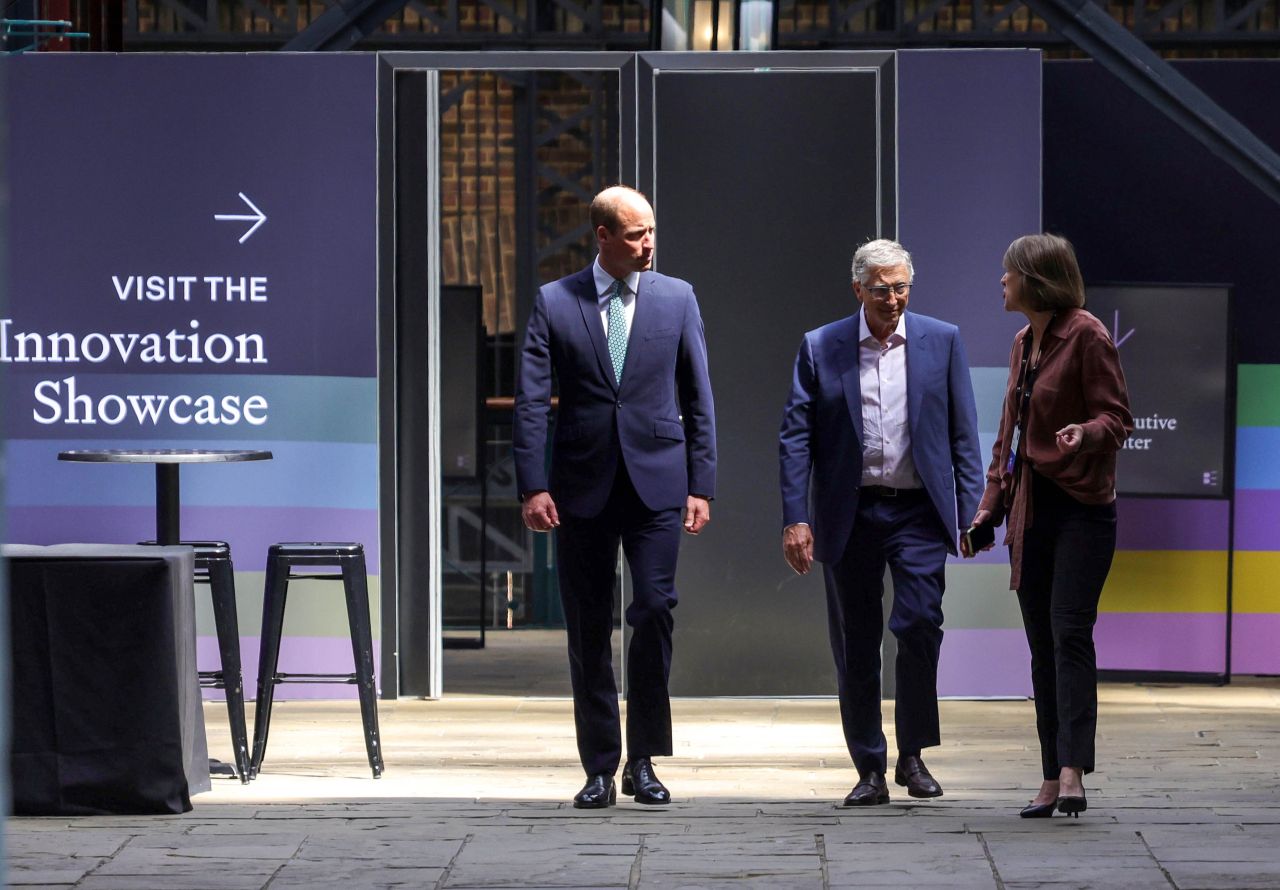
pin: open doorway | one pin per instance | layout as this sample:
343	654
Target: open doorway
504	193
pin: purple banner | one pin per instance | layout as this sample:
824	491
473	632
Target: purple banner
968	183
192	214
977	663
1171	524
1253	644
1175	641
1256	525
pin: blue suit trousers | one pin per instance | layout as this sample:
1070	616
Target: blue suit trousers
903	533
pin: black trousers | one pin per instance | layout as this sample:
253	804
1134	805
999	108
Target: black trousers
1066	555
902	532
588	561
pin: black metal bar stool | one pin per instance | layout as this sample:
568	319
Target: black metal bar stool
281	560
213	568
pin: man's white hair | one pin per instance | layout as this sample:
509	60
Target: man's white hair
881	254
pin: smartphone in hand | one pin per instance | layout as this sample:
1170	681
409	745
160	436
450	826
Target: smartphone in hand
979	537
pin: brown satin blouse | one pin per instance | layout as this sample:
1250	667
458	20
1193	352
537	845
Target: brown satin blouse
1079	381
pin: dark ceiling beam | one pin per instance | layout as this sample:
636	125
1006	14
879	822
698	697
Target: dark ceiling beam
1093	30
343	25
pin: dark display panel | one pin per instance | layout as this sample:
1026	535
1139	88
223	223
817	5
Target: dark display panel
765	183
1174	348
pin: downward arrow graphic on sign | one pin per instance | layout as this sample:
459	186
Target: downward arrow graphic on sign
258	217
1115	328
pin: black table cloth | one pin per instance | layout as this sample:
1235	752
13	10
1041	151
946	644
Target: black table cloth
107	714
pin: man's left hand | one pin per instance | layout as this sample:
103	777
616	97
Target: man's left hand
697	513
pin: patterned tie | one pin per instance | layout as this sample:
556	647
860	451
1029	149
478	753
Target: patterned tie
617	331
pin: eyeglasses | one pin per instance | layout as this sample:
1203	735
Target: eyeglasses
880	292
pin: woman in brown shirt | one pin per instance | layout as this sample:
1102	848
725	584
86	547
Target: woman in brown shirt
1052	481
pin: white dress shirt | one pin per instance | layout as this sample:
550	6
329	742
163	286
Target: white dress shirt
886	432
604	290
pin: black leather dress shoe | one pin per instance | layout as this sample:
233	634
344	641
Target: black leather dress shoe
870	791
912	772
639	780
1038	810
598	793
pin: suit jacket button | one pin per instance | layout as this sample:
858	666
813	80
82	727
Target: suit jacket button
619	404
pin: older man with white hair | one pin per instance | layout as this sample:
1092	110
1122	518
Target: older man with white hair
879	459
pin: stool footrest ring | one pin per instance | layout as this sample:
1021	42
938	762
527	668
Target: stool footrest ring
314	678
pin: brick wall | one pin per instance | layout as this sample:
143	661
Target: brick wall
480	191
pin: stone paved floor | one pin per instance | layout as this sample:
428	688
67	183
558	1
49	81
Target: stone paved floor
1187	795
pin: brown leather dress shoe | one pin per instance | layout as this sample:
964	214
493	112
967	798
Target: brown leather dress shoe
640	781
598	793
870	791
912	772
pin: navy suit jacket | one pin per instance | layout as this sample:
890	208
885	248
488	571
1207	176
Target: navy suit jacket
659	421
820	444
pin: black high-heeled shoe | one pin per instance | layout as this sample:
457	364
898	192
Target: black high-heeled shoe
1038	810
1072	805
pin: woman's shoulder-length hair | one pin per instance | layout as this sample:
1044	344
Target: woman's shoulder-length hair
1051	275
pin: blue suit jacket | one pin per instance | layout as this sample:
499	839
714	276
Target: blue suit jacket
659	420
820	444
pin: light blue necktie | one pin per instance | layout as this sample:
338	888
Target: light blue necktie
617	331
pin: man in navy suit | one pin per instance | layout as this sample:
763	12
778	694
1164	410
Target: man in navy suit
879	459
634	445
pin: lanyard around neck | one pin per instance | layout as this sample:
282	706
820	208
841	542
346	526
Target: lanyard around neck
1028	372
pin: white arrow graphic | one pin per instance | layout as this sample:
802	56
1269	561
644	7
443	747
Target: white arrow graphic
258	217
1115	327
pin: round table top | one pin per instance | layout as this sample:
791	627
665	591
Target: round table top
162	455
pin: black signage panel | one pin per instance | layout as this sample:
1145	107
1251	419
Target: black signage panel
1174	343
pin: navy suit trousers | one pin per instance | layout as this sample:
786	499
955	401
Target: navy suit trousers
903	533
588	560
